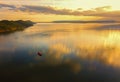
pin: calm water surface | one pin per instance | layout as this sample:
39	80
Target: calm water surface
70	53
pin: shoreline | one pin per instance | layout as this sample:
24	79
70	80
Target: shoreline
12	26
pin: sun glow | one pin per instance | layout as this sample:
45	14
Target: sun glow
51	10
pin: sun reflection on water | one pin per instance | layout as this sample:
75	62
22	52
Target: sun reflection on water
68	44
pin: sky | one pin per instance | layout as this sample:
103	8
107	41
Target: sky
51	10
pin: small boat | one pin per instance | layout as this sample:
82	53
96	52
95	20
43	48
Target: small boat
39	53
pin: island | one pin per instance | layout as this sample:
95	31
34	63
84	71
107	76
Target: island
11	26
81	21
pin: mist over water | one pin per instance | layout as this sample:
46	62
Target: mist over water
70	52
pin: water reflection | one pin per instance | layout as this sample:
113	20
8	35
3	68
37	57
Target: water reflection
70	53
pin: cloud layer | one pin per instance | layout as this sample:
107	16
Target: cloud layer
100	11
5	5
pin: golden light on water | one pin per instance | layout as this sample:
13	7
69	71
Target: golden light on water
92	45
67	44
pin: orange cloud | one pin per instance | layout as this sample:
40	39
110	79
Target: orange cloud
53	13
100	11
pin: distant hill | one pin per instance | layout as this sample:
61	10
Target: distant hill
107	27
80	21
8	26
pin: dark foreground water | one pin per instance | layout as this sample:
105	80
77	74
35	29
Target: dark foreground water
70	53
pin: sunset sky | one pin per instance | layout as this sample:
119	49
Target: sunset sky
50	10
